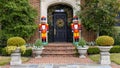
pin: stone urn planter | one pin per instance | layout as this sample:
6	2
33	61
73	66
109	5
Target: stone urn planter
16	57
82	51
38	52
37	49
105	44
82	48
104	54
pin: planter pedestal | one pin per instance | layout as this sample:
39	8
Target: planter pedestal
104	54
16	58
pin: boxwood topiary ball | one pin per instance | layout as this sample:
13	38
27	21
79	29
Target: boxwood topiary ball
15	41
105	41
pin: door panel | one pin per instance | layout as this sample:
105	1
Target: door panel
60	29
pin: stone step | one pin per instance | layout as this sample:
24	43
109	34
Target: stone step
59	48
59	52
61	44
58	55
60	66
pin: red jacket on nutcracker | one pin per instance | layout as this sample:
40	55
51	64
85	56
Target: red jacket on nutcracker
43	28
76	27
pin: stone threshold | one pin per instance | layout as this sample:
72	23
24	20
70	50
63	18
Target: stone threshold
60	66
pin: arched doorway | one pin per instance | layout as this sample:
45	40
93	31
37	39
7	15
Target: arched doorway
59	19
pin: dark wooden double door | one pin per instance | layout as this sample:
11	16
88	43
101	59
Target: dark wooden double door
60	27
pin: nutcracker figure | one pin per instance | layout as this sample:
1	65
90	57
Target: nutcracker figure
76	28
43	29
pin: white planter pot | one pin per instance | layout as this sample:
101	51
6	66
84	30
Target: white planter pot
38	52
104	54
82	51
16	57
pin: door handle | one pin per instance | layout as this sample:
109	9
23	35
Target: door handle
54	31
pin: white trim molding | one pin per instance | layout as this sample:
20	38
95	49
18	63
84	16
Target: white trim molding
46	3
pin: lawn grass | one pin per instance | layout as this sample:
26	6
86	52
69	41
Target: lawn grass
5	60
115	57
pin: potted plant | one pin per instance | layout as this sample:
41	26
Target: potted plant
105	44
15	46
82	48
37	48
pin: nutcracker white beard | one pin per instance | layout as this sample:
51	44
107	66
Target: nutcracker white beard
76	26
43	27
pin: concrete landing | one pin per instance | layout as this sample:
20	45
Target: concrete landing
60	66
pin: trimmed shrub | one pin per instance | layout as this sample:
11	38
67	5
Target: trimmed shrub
28	53
105	41
115	49
15	41
10	49
93	50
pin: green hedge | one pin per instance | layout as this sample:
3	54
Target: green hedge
95	50
115	49
28	53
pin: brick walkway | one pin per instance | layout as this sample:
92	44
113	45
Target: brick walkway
115	65
60	60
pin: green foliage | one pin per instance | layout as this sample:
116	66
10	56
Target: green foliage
81	42
3	39
93	50
10	49
116	35
117	39
115	49
99	15
105	41
27	53
0	51
17	18
38	43
15	41
4	52
23	48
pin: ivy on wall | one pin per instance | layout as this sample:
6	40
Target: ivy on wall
17	18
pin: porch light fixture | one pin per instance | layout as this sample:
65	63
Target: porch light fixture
59	10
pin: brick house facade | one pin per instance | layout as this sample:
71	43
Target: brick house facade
88	35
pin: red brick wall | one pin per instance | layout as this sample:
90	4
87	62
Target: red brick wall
36	5
88	35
